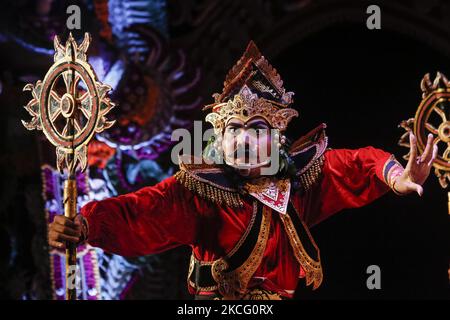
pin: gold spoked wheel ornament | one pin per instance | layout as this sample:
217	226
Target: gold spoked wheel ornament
432	116
69	106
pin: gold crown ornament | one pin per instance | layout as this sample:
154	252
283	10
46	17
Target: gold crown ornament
252	88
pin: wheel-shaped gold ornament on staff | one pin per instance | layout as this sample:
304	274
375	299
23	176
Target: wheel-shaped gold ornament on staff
69	106
432	116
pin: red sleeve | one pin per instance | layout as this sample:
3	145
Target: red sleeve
147	221
351	179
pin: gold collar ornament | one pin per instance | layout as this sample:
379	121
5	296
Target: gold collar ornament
69	106
272	192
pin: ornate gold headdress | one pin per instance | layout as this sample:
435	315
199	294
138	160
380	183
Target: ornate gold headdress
252	88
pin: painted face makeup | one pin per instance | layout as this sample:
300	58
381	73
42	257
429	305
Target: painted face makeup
247	145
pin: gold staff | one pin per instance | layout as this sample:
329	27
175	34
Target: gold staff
69	121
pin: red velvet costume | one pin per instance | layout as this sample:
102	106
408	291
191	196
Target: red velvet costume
167	215
195	208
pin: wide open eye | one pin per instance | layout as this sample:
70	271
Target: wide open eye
235	130
231	129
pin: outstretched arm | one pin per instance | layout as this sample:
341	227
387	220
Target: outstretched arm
351	178
148	221
354	178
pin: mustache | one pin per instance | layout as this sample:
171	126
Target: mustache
243	150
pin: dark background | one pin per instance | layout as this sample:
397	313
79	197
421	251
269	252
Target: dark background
360	82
